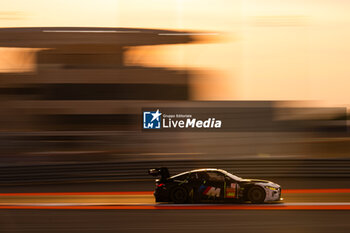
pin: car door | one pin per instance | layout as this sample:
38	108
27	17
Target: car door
196	179
231	189
212	187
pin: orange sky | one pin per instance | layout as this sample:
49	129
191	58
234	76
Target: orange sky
279	50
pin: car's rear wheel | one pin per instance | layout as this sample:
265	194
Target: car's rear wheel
256	195
179	195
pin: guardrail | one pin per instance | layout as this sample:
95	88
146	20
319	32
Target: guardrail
138	170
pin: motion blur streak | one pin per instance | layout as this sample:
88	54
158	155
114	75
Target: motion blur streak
316	191
190	207
150	193
174	221
78	193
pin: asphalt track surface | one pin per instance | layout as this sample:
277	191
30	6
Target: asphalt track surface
177	221
301	199
148	185
309	206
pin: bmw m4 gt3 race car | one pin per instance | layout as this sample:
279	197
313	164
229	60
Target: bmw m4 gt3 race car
212	185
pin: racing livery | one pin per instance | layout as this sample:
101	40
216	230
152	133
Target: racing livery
212	185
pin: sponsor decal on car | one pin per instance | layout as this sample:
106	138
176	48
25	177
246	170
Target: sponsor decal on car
231	191
210	191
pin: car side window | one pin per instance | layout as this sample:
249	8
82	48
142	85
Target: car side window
216	176
202	176
194	176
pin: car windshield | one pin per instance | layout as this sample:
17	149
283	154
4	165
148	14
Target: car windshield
237	178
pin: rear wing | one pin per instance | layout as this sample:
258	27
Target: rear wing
163	172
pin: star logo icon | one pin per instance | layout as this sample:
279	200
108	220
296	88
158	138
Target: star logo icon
156	115
151	119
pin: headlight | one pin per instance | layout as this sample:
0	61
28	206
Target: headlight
271	188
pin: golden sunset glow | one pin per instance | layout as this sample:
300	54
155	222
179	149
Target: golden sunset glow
275	50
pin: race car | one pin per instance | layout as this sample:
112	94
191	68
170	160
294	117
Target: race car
212	185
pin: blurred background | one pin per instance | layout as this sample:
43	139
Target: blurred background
73	92
75	75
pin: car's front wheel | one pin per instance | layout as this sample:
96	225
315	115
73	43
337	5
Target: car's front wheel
179	195
256	195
